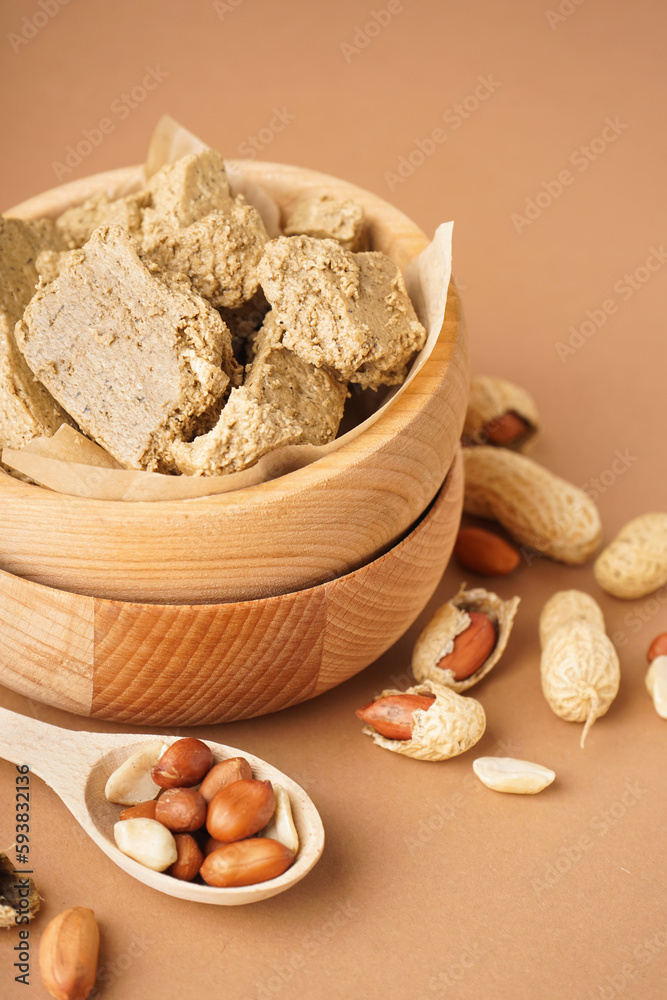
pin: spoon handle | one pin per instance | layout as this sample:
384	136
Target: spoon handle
62	757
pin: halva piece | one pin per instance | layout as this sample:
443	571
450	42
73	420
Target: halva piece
219	254
186	191
326	217
79	223
134	355
349	312
313	397
26	408
283	401
195	227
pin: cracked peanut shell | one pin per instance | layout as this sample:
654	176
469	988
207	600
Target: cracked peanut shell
437	638
452	725
490	399
12	903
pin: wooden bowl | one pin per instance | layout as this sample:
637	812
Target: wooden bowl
157	665
297	531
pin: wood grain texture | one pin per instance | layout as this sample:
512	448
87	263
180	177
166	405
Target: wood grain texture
202	664
297	531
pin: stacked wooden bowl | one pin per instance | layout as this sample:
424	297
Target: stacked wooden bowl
230	606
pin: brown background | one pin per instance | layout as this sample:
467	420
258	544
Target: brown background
430	885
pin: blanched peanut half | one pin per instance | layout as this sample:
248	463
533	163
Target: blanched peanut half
146	841
656	682
281	826
132	783
505	774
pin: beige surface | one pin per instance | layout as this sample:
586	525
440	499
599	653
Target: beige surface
430	885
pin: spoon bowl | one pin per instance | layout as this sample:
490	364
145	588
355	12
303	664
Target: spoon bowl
76	765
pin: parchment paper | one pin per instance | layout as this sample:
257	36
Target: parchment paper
70	463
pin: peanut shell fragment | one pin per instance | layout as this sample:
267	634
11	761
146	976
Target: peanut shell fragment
506	774
536	507
439	636
635	564
13	903
449	727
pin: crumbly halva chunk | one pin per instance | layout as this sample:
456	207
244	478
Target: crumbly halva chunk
326	217
185	192
194	226
135	356
349	312
26	408
219	254
79	223
312	397
284	400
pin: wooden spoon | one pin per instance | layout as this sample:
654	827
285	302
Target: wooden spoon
77	764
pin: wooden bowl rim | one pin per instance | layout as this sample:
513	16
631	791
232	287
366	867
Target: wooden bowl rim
396	419
422	522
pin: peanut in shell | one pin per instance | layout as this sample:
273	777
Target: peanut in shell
489	401
452	725
452	619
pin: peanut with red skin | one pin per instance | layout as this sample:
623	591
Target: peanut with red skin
505	429
658	647
392	716
485	553
144	810
471	647
181	810
223	774
190	858
183	764
240	810
246	862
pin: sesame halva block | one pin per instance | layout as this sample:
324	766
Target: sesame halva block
134	355
312	397
326	217
27	410
79	223
348	312
219	254
185	192
194	226
283	401
247	430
